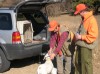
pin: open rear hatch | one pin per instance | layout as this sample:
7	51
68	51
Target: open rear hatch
31	22
15	3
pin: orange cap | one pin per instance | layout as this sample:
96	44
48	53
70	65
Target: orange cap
79	8
52	25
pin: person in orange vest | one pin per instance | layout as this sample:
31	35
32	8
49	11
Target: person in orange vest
58	47
86	40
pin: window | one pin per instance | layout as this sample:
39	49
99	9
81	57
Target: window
5	21
39	18
35	16
21	17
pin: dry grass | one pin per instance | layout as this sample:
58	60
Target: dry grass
7	3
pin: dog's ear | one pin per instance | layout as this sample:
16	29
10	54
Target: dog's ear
47	55
44	58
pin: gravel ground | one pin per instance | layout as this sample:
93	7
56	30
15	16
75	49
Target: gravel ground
29	66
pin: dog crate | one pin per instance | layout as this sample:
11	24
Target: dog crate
26	30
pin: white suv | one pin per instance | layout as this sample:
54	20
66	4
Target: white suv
23	31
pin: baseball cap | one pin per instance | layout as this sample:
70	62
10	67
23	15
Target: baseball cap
79	8
52	25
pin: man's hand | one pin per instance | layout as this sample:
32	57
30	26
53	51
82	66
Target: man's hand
78	36
52	55
50	51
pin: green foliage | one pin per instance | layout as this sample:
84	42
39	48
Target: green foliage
89	3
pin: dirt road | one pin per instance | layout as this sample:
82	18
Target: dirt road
29	66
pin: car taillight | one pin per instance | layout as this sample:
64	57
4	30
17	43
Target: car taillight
16	38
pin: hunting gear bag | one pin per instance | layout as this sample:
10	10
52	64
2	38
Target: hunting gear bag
68	43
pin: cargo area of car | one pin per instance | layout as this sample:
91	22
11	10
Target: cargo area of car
32	23
32	27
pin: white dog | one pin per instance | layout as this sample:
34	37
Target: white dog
47	67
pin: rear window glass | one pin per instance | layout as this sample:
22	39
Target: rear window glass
35	16
20	17
5	21
39	18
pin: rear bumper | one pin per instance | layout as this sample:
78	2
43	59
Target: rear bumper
19	51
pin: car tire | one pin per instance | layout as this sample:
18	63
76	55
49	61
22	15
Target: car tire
4	63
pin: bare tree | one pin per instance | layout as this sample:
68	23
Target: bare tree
55	9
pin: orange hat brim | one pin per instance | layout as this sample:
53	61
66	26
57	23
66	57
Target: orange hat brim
76	12
52	29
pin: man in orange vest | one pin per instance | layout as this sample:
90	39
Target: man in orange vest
86	40
58	47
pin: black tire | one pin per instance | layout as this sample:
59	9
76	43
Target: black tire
4	63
